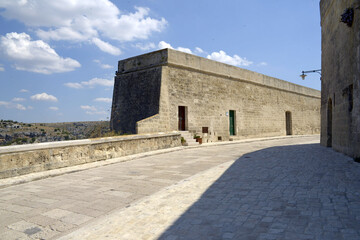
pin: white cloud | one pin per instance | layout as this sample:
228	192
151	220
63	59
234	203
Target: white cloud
34	56
63	33
106	47
30	107
104	66
96	113
44	97
91	110
18	99
12	105
163	44
198	50
106	100
2	69
235	60
91	83
133	26
20	107
79	20
186	50
73	85
263	64
145	46
23	90
54	108
87	107
98	81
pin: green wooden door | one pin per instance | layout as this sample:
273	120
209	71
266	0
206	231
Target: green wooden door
232	122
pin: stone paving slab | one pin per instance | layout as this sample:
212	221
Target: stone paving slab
277	189
285	192
150	217
67	199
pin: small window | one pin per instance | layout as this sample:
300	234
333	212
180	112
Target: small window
205	130
219	138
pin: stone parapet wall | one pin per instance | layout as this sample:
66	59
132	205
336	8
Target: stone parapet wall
24	159
173	58
229	72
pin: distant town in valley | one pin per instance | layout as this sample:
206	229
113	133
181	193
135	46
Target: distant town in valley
14	133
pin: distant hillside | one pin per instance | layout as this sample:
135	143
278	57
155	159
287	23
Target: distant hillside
12	132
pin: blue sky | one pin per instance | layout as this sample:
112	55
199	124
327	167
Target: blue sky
58	58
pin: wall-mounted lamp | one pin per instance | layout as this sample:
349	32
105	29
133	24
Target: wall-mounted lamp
348	17
303	75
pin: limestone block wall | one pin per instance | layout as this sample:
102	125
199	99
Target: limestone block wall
208	90
24	159
259	110
136	97
340	99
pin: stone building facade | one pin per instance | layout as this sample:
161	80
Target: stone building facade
169	90
340	94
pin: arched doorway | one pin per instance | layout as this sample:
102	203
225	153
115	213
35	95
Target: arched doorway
329	124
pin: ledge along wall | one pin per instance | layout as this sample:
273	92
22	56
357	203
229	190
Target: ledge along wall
208	93
24	159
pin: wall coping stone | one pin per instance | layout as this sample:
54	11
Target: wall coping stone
174	58
73	143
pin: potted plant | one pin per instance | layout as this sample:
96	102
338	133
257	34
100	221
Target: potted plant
198	139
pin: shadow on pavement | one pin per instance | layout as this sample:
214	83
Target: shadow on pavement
287	192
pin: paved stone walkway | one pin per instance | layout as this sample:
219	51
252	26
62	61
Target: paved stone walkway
277	189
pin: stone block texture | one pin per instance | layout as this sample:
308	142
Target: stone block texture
208	93
340	94
24	159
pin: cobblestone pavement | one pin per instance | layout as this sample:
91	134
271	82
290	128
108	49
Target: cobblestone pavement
277	189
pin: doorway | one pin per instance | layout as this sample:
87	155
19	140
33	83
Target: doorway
329	124
232	122
288	123
182	116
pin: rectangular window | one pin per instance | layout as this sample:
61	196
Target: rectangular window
205	130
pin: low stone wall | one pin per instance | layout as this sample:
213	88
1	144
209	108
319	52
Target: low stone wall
24	159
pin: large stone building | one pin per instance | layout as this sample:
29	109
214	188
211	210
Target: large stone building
340	97
169	90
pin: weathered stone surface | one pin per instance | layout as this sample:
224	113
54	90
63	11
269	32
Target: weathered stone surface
137	98
208	90
340	64
23	159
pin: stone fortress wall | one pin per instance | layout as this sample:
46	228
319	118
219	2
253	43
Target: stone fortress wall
340	88
150	88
